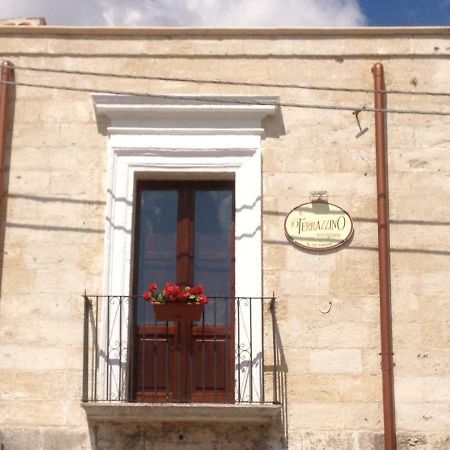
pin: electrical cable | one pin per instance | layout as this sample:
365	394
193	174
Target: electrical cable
230	83
237	102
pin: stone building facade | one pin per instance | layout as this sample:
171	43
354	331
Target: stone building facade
74	152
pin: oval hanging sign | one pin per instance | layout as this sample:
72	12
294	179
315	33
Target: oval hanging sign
318	226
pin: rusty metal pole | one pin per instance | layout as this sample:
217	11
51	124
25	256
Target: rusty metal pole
384	261
6	75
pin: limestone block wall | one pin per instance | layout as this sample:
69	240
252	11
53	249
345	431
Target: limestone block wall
327	304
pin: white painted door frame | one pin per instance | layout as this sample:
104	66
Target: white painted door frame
173	138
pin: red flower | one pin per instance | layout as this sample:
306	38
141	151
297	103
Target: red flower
183	296
172	292
191	291
147	295
196	290
153	287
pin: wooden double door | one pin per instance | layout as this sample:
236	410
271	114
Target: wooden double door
184	234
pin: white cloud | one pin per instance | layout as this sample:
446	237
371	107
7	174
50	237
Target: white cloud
226	13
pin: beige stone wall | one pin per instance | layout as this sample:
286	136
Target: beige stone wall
53	238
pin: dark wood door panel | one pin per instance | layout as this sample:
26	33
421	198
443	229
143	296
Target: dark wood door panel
210	364
157	358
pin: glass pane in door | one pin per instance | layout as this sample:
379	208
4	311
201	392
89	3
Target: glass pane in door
213	235
157	257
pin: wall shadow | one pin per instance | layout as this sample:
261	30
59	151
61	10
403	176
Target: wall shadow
279	372
274	125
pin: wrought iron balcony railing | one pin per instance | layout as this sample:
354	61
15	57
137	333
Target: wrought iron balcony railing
225	357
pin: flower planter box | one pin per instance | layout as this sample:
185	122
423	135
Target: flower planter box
177	311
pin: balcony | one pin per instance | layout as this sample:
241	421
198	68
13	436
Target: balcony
221	367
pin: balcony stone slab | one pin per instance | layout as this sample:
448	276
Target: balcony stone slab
181	412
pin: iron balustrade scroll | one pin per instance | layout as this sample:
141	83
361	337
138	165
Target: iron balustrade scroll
219	366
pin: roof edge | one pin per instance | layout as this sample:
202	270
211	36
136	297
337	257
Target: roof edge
226	32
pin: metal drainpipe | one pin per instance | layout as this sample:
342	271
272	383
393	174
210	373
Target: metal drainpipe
384	262
6	75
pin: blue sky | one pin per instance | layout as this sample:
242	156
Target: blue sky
233	13
406	12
